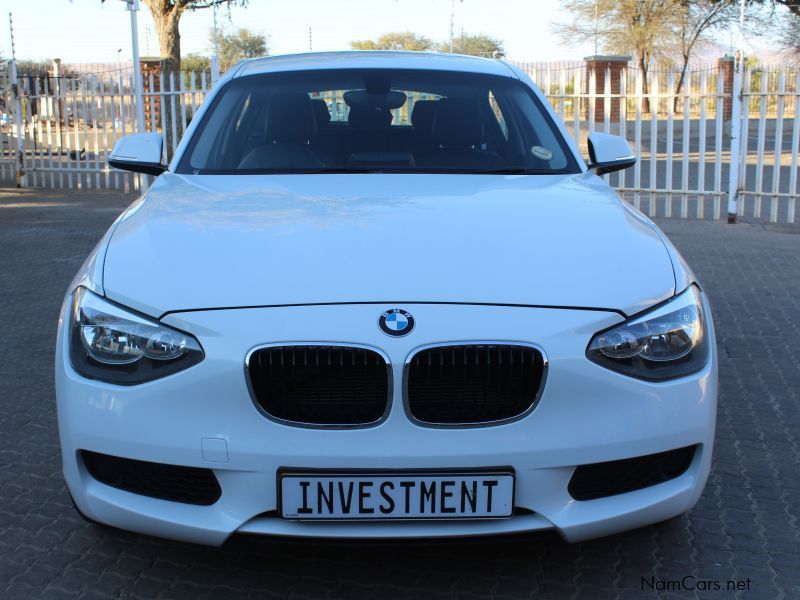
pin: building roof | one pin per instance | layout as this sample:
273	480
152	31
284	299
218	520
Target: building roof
374	59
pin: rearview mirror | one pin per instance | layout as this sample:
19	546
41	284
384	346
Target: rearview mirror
609	153
138	152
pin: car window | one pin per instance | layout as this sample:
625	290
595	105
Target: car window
373	120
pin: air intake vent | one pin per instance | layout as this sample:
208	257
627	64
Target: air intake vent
321	385
473	384
189	485
600	480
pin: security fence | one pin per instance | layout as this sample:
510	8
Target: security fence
58	127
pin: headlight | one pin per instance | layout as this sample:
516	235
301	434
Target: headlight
115	345
664	343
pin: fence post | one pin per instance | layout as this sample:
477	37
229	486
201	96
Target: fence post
737	99
601	67
726	67
57	112
214	67
151	67
20	156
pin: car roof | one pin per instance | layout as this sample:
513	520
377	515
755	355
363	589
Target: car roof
374	59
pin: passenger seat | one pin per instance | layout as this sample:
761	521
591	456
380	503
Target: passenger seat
457	138
290	126
422	116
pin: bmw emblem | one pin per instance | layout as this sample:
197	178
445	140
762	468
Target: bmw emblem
396	322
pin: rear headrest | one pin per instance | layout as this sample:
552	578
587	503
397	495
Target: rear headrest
321	113
289	118
369	117
457	123
423	113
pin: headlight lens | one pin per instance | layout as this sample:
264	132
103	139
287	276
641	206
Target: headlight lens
664	343
116	345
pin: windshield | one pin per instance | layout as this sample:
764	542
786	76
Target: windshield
372	120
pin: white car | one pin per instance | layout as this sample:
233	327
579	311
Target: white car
381	295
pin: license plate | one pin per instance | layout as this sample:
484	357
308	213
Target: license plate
396	496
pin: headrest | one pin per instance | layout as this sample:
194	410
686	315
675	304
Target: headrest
457	123
289	118
422	114
369	117
321	113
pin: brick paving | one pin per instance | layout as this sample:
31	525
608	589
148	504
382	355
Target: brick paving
744	528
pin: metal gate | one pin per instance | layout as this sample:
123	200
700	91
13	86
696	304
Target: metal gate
60	126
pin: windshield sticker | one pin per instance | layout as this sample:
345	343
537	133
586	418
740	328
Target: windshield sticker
541	152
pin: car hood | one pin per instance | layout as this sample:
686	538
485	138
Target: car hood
199	242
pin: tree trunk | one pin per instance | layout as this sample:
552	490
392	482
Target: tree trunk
645	83
166	17
169	39
680	83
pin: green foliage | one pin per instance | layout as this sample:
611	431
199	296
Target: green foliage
623	26
475	45
239	44
398	40
195	62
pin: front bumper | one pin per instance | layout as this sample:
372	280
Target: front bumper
586	414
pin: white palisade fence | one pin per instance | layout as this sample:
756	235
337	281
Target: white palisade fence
60	126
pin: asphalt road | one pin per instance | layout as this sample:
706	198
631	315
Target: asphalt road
744	530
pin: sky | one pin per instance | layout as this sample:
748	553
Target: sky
81	31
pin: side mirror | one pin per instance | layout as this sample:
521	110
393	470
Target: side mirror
609	153
138	152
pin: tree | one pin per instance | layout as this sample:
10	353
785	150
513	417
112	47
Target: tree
790	27
166	17
792	5
641	27
790	35
476	45
239	44
696	19
786	26
396	40
195	62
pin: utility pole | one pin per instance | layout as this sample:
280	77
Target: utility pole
215	58
736	124
452	19
17	108
133	7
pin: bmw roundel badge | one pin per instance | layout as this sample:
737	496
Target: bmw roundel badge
396	322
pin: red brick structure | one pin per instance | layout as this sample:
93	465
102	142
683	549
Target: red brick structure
151	65
600	66
725	66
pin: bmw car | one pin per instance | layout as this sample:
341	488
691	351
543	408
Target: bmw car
382	295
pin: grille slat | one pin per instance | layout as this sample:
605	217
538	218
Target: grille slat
328	385
473	383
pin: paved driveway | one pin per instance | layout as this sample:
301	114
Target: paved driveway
745	528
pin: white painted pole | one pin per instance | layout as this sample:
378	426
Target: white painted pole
452	19
736	123
215	58
18	129
133	8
